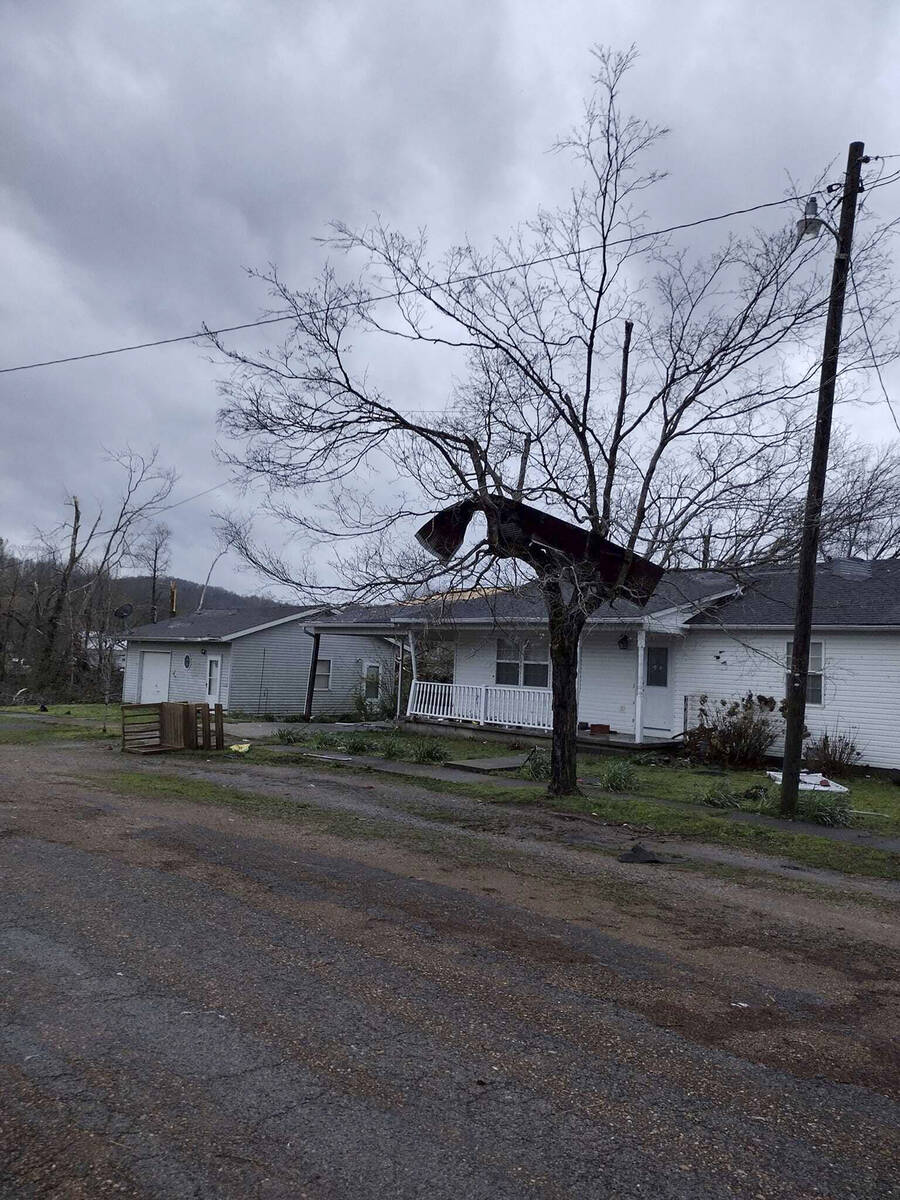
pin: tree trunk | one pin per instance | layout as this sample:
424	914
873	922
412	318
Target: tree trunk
52	661
565	631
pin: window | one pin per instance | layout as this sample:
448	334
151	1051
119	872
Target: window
525	664
323	675
372	683
212	678
815	679
536	663
508	664
657	666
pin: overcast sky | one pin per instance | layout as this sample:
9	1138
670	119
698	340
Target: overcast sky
153	150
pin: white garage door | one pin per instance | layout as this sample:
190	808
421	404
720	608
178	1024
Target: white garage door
155	667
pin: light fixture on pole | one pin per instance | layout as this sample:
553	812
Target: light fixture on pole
798	671
810	224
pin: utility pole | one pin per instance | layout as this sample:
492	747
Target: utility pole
795	714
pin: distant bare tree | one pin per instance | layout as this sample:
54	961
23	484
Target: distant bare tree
154	555
73	619
626	386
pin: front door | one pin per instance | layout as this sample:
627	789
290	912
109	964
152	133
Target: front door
657	693
155	668
213	672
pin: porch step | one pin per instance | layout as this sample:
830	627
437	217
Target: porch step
509	762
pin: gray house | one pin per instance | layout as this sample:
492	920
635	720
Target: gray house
254	660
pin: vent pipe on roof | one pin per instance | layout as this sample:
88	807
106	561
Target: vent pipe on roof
173	598
851	568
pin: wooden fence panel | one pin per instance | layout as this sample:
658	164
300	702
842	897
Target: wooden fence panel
174	725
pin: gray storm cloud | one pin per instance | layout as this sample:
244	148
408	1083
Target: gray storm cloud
152	151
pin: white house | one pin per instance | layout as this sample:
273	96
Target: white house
255	661
643	670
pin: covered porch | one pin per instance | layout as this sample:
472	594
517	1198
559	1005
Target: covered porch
625	686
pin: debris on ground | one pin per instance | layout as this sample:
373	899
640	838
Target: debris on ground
812	781
640	854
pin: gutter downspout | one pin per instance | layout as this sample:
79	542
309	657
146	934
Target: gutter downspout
639	689
311	678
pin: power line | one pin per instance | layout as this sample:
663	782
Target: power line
205	332
215	487
875	363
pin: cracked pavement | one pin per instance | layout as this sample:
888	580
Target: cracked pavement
198	1003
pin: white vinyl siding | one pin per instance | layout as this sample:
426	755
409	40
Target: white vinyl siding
277	681
185	682
606	681
860	681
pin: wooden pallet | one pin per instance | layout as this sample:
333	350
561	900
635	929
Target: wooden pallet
153	728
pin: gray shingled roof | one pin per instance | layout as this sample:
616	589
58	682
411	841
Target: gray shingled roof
526	604
847	593
214	624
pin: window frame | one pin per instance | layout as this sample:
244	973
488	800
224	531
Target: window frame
654	650
368	666
317	687
522	660
217	659
811	673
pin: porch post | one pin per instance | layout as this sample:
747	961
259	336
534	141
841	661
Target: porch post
639	690
483	708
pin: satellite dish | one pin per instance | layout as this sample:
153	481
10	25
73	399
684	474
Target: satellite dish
123	611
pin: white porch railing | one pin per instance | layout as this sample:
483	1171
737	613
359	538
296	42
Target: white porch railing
485	705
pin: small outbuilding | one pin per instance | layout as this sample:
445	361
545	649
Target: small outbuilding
256	660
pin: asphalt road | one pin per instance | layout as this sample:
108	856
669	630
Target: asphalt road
200	1004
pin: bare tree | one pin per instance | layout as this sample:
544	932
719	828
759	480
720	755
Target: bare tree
154	555
96	550
648	387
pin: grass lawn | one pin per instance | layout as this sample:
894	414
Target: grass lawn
681	782
672	781
92	712
30	735
404	747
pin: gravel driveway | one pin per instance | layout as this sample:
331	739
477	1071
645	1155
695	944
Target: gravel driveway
198	1003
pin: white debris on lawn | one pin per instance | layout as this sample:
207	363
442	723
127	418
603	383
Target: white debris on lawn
812	781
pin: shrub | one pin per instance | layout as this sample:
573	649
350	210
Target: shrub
719	795
756	798
834	753
821	808
357	743
735	733
537	764
392	747
430	750
288	737
649	758
322	740
824	809
618	776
